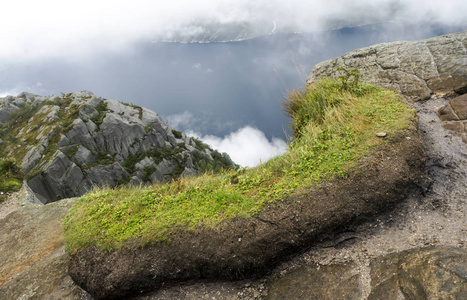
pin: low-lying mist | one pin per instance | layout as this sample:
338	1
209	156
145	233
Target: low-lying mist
228	94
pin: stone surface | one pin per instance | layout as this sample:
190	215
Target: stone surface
416	69
459	105
454	116
338	281
425	273
33	263
430	273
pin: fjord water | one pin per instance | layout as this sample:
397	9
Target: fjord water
215	88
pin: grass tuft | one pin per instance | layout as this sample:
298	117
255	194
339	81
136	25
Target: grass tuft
334	127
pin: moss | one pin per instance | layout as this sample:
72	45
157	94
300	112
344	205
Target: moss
10	176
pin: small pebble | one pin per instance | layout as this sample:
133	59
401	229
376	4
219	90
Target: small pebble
381	134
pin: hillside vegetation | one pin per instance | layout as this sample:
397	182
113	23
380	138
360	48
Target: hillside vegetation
66	145
10	177
334	123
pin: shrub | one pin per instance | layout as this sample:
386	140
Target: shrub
8	166
147	171
102	109
10	177
177	134
350	79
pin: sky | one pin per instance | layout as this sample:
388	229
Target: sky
48	28
228	94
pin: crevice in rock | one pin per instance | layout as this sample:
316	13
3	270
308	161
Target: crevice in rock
433	61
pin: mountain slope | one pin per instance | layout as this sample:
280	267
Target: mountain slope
66	145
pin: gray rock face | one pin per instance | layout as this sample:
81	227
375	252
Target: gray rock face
430	273
416	69
67	145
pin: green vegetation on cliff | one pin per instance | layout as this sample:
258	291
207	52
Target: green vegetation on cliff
10	177
334	126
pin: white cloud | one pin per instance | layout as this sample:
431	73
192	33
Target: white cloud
36	29
22	88
12	92
181	120
247	146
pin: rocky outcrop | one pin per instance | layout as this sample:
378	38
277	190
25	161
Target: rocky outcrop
244	248
416	69
67	145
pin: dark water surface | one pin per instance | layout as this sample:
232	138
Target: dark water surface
222	86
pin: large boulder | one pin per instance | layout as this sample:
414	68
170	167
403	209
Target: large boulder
416	69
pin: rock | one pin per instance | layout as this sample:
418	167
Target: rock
446	113
456	126
111	174
83	156
416	69
80	135
454	116
459	105
338	281
429	273
31	158
420	273
59	170
118	135
381	134
87	112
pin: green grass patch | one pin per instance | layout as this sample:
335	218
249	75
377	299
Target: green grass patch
10	177
329	140
102	109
